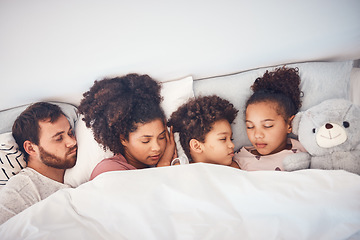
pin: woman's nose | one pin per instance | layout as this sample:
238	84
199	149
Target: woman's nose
155	146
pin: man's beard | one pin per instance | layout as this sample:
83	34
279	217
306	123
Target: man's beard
51	160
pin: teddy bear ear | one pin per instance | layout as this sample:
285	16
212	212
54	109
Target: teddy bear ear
295	123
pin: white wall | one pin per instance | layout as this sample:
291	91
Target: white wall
54	50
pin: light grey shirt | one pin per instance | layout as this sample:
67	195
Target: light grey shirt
23	190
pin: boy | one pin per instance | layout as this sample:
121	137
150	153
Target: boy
205	131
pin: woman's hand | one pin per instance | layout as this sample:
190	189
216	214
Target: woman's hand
170	150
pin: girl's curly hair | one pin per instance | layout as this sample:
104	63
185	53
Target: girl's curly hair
281	86
113	106
194	119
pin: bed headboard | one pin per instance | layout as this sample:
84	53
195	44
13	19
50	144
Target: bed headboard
54	50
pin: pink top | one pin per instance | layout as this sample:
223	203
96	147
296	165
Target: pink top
250	162
115	163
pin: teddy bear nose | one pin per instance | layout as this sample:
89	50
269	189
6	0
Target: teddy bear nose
328	126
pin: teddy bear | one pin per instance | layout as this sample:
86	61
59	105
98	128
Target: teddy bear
330	132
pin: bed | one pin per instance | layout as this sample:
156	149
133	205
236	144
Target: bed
53	51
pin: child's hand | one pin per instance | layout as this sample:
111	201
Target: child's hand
170	150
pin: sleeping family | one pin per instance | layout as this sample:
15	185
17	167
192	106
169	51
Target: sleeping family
126	117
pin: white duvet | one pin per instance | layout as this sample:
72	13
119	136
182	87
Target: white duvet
198	201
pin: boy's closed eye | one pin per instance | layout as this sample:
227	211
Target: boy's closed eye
226	138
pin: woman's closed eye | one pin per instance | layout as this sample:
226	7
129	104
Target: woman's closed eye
146	140
59	139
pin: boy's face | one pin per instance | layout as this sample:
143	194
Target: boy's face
218	147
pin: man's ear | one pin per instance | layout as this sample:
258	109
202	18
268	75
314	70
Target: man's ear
30	148
195	145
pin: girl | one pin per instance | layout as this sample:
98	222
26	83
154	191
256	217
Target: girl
269	112
125	116
205	131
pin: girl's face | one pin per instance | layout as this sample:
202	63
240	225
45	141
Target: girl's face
218	147
266	129
146	145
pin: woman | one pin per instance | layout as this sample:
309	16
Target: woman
126	117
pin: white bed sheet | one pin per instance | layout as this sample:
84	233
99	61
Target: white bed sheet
198	201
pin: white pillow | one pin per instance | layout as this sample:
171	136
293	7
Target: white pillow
90	153
11	159
355	86
7	117
319	81
175	94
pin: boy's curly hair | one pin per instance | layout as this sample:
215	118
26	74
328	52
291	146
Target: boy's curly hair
194	119
113	106
281	86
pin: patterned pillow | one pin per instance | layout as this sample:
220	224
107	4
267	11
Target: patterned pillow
11	159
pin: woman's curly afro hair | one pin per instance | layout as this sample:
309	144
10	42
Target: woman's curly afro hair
194	119
281	86
113	106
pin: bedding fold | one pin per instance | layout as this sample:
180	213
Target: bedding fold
197	201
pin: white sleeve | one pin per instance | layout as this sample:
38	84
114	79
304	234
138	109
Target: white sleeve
180	160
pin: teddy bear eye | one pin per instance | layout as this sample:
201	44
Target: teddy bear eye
313	130
346	124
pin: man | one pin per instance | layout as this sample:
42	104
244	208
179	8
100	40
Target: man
45	136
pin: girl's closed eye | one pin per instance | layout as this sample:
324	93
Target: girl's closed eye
249	126
268	126
59	139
